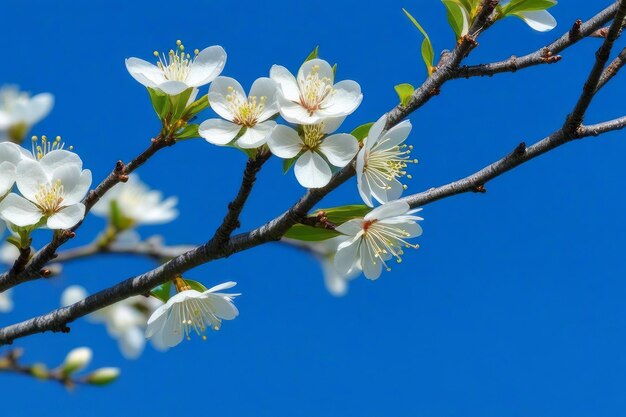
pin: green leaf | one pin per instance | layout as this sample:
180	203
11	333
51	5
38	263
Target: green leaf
197	106
310	234
162	292
518	6
160	102
457	17
334	70
428	53
195	285
288	163
361	132
405	92
336	215
467	5
179	102
314	54
341	214
188	132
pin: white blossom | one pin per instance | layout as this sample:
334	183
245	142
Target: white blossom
313	96
19	111
125	320
382	161
52	187
137	203
315	151
191	311
177	70
324	251
373	240
6	302
245	116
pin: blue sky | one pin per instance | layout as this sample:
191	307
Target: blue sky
513	305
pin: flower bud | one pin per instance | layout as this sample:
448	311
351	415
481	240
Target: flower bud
103	376
76	360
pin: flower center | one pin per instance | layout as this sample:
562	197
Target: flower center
196	314
314	90
45	146
246	111
49	198
177	63
385	241
312	135
384	165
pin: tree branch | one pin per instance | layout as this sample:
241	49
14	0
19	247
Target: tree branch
545	55
57	320
612	69
34	269
575	119
231	221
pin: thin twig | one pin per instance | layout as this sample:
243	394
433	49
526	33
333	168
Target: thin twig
545	55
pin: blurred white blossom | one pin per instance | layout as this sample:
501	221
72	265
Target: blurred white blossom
137	203
19	111
125	320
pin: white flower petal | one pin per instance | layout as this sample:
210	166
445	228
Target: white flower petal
256	136
30	175
375	132
19	211
312	171
67	217
265	87
395	136
347	255
219	91
6	303
7	177
295	113
222	307
79	189
207	66
172	88
218	131
394	208
286	81
55	159
371	264
39	107
145	73
323	68
339	149
331	124
132	343
344	101
539	20
351	228
284	142
361	179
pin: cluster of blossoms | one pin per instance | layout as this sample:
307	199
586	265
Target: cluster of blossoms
44	188
51	184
